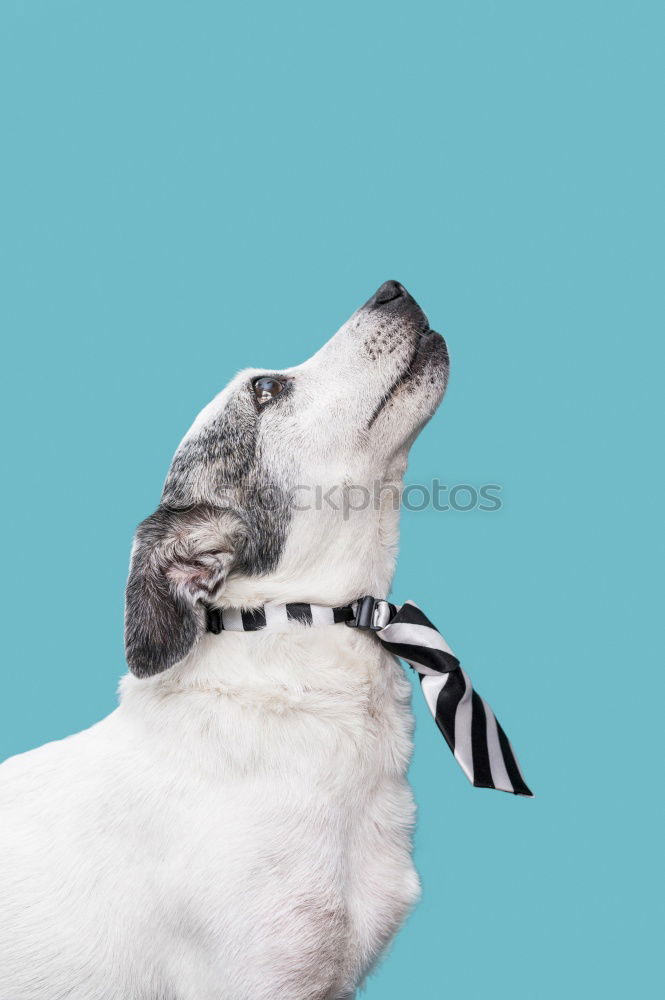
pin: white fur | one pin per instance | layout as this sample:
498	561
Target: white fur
240	827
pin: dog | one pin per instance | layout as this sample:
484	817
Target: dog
239	828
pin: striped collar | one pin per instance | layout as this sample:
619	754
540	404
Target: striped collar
467	722
366	613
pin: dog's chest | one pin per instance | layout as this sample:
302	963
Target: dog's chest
297	843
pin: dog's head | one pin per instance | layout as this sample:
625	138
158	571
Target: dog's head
286	487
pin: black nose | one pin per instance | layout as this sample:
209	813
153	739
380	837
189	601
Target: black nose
388	291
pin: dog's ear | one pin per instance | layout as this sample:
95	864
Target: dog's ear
180	561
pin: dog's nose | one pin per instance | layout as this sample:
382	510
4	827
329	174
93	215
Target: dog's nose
388	291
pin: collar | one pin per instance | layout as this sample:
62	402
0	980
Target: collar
367	613
467	722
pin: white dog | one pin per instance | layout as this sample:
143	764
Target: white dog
240	827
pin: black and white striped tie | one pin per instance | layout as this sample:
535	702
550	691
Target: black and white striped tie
469	725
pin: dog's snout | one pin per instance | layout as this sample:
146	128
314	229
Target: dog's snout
398	303
388	291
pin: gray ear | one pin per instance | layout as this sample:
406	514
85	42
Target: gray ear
180	561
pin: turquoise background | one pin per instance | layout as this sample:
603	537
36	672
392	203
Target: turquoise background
190	188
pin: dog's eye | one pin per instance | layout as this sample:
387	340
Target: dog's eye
266	388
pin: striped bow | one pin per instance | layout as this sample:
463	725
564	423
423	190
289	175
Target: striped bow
469	725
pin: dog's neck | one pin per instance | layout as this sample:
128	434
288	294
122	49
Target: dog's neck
217	704
321	570
331	559
331	556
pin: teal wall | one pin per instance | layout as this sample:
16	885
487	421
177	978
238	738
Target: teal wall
189	188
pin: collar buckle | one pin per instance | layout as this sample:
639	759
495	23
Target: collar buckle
370	613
